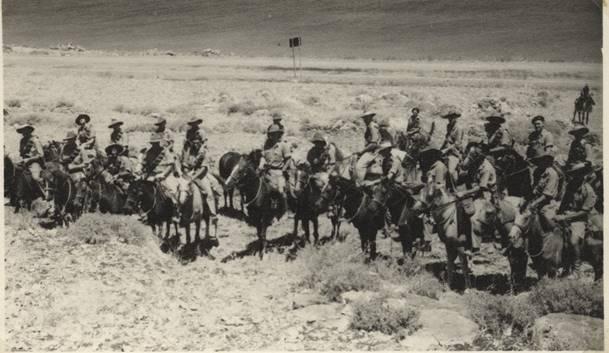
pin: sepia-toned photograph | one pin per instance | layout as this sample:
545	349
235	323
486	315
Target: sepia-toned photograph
338	175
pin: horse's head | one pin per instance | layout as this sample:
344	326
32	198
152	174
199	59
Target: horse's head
135	193
522	225
244	168
184	190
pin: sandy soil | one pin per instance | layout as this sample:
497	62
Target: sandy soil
117	296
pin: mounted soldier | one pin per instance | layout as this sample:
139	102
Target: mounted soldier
578	206
31	155
118	137
384	132
196	167
321	158
540	140
85	132
166	136
414	122
118	169
275	161
372	136
373	166
497	134
75	158
161	166
276	122
454	143
546	187
580	150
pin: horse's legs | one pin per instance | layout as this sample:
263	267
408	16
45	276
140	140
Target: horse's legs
262	239
372	244
307	230
230	198
465	266
198	230
518	268
315	229
406	241
451	255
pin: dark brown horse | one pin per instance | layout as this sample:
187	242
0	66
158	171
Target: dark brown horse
146	196
227	163
258	195
108	198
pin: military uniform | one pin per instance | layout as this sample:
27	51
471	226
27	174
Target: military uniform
584	199
501	137
274	160
453	146
31	148
193	163
75	158
120	138
86	136
117	169
372	136
159	164
579	152
547	185
414	125
540	143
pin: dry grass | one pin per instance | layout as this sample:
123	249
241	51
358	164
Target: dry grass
96	228
378	315
145	110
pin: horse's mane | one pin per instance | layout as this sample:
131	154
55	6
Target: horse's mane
254	156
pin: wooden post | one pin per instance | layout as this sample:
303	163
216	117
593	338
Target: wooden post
294	60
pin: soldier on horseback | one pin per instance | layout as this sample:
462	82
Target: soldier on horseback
546	187
497	134
276	122
373	166
85	132
454	142
414	122
117	136
372	136
321	157
166	136
161	166
577	206
31	154
384	131
540	140
580	150
117	169
196	168
275	161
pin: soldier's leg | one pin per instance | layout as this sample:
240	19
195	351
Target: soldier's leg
578	231
453	162
35	170
205	186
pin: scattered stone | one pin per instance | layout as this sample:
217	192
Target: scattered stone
302	300
568	332
441	328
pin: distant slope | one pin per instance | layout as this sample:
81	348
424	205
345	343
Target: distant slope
557	30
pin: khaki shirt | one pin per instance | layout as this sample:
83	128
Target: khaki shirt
454	142
119	165
436	182
276	156
486	175
584	199
369	166
120	138
579	151
193	158
414	125
540	143
372	135
30	147
158	161
548	184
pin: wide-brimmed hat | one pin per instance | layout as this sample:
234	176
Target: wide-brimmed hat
115	122
195	121
496	118
415	108
160	121
367	115
317	137
114	147
579	129
71	135
277	117
82	117
538	117
540	158
274	129
450	111
22	128
429	154
155	138
385	145
581	167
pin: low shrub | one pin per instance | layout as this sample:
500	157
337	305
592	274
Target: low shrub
568	296
141	127
253	127
426	285
97	228
13	103
246	108
500	314
145	110
378	315
346	276
63	104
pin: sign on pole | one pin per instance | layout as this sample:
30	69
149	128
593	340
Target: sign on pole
294	43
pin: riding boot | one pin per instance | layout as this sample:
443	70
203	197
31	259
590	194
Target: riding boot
213	238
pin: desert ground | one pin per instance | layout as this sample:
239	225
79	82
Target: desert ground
65	294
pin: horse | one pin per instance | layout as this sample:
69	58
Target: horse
513	174
10	173
583	107
68	196
257	193
227	163
551	250
146	196
303	195
109	198
194	209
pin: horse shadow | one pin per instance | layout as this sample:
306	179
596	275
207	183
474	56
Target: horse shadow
231	213
186	253
276	244
493	283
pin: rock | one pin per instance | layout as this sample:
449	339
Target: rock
440	328
319	312
353	296
302	300
568	332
